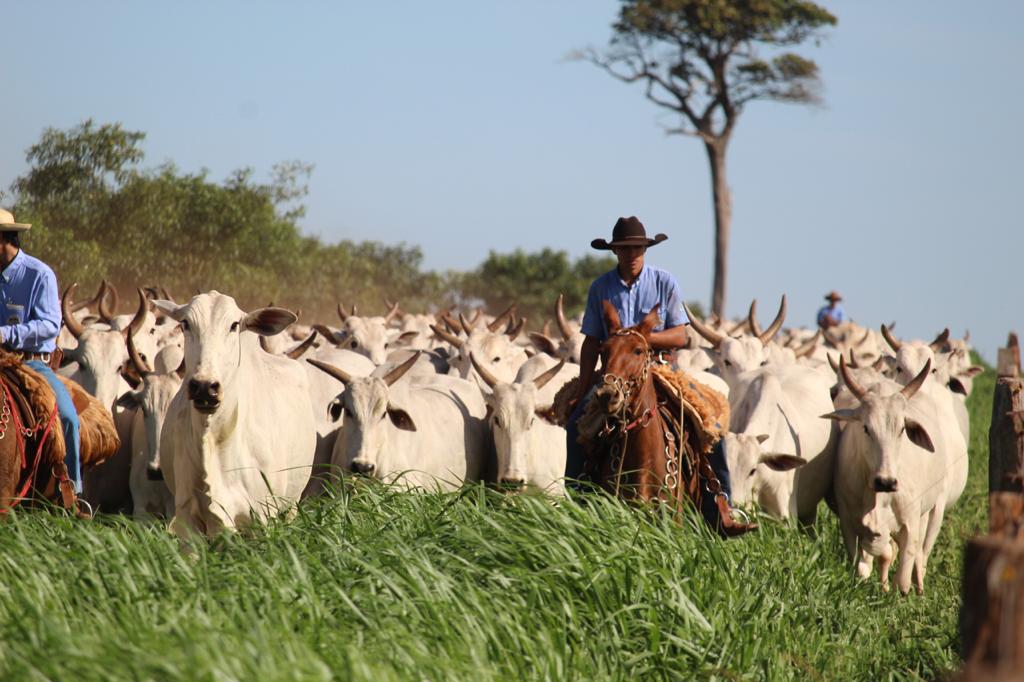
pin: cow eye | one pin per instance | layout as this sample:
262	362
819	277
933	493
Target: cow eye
234	326
728	363
496	359
184	325
753	471
763	363
865	428
354	344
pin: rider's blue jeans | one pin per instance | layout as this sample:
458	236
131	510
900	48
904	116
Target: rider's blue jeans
68	421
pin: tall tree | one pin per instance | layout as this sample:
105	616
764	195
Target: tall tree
700	59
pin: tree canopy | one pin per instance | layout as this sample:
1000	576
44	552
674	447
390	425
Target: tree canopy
705	60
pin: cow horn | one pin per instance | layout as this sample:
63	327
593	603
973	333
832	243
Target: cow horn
808	348
140	315
100	292
326	333
467	326
776	324
73	325
851	384
342	313
442	334
398	372
563	324
264	344
864	339
832	362
893	342
853	361
518	329
392	312
115	299
296	353
940	340
712	336
477	315
488	378
910	389
106	314
336	372
547	376
502	319
166	295
140	365
546	330
755	328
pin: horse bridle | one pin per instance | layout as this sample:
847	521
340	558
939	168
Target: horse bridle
630	387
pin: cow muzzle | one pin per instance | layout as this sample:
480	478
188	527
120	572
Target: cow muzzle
512	484
205	395
364	468
885	485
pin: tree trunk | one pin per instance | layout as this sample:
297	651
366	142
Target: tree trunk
723	218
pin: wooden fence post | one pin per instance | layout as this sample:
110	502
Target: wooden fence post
992	600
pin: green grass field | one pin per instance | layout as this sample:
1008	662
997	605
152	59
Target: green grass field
373	584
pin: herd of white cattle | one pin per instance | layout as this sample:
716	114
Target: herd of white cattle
227	415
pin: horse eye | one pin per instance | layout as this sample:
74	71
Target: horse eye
637	351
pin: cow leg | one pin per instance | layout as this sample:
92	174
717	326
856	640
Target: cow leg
909	540
930	536
849	538
884	562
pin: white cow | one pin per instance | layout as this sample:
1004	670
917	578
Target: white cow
239	436
569	346
417	434
150	402
369	336
891	477
531	450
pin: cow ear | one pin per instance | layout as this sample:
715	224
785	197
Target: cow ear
268	321
170	308
918	436
401	419
841	415
406	338
782	462
611	316
956	386
130	399
973	371
543	344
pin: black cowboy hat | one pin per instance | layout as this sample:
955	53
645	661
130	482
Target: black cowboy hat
833	296
628	232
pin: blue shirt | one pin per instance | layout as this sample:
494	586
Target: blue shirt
30	313
653	286
837	314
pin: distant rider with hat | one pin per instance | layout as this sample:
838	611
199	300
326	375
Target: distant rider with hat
831	315
30	322
634	288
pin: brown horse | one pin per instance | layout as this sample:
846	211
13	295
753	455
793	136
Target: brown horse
31	443
642	453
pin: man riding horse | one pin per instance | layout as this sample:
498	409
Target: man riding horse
30	306
633	289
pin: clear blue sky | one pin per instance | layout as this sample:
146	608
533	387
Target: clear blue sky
458	126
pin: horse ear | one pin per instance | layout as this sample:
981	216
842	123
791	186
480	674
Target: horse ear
651	320
611	316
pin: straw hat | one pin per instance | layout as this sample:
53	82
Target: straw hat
7	223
